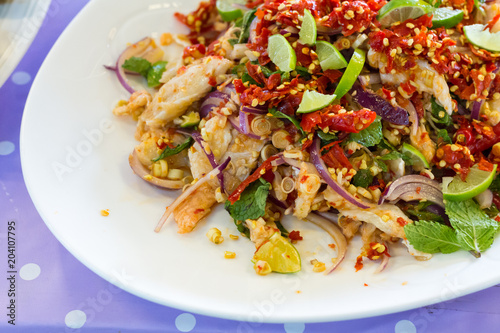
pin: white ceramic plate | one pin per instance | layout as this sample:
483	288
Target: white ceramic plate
74	157
19	24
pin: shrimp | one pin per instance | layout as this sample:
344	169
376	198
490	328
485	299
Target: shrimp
175	96
259	231
307	185
426	79
135	106
198	205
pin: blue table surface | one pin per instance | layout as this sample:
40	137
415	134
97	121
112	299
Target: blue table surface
50	295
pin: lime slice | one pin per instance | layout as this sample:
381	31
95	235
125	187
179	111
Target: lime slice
477	181
281	53
419	162
445	17
313	101
307	33
402	10
227	11
280	254
351	73
483	38
329	57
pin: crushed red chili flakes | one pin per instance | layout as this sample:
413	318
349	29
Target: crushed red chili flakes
455	157
294	235
354	16
200	21
334	119
335	156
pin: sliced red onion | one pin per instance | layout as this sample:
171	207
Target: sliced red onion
129	52
413	187
485	199
211	100
170	209
383	264
253	30
235	123
229	89
337	235
413	116
254	110
323	171
278	203
244	122
211	158
368	99
143	172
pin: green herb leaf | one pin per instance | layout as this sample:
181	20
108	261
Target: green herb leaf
252	202
282	229
393	155
174	151
247	78
475	230
245	25
432	237
439	114
384	144
242	227
303	72
370	136
279	114
495	185
420	211
381	165
137	65
155	73
443	135
326	138
362	178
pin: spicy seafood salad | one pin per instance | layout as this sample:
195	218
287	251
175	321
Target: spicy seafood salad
367	117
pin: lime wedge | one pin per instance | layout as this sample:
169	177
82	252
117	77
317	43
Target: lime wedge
280	254
227	11
329	57
477	181
281	53
483	38
313	101
351	73
419	162
402	10
445	17
307	33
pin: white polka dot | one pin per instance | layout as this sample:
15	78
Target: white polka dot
21	78
6	147
75	319
29	272
405	326
185	322
294	327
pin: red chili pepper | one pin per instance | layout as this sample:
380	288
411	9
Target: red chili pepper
266	165
335	157
352	121
195	51
295	235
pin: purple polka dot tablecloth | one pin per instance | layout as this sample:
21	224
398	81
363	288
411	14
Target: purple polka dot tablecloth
46	289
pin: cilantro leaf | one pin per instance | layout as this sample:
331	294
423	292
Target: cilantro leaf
439	114
279	114
475	230
443	134
174	151
370	136
252	202
245	25
362	178
155	73
432	237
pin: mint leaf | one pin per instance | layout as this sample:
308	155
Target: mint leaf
137	65
495	185
252	202
475	230
393	155
174	151
439	114
443	134
370	136
432	237
279	114
155	73
384	144
362	178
